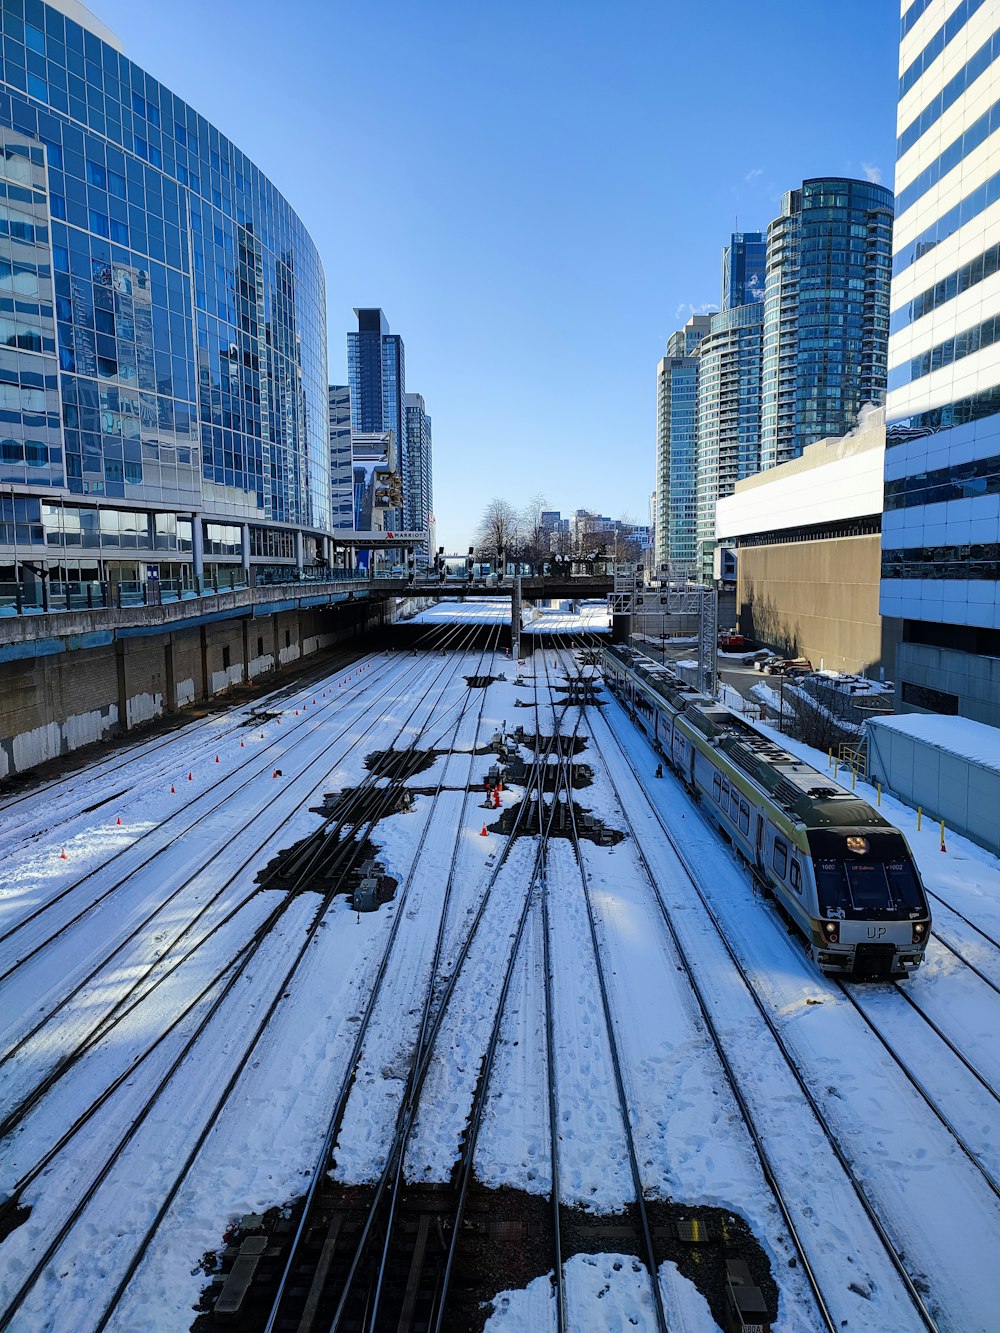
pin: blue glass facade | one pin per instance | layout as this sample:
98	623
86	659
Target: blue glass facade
743	269
162	308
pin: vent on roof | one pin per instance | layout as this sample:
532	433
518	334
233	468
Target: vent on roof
785	793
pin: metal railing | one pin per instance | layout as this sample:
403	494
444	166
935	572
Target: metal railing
37	596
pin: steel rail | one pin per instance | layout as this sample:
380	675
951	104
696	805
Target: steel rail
237	967
891	1251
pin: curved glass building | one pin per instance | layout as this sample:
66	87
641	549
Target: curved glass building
163	377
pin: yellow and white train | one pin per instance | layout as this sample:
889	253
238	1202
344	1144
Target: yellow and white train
843	875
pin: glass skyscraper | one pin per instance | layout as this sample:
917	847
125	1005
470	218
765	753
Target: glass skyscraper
376	369
420	482
744	267
826	309
941	525
677	448
729	377
163	382
341	457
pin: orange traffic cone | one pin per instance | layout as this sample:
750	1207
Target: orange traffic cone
484	834
118	820
172	790
190	777
63	856
217	757
241	745
296	712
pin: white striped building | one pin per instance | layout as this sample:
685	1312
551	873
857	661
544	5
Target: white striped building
941	526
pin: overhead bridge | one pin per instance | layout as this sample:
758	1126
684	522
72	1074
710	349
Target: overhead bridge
101	613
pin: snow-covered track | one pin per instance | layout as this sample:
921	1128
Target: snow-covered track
296	1268
775	1167
189	813
625	1109
980	1105
205	1033
86	1010
161	968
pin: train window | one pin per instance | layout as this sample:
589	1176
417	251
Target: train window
779	857
903	883
795	877
724	801
744	817
717	786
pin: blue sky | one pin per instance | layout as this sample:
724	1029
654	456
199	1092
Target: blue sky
536	193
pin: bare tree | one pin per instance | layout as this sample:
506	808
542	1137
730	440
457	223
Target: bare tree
821	717
534	537
499	530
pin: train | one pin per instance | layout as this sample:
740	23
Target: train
844	876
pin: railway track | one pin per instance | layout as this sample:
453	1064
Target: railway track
645	1237
224	983
391	1270
774	1170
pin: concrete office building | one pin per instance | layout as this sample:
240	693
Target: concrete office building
941	530
163	376
808	546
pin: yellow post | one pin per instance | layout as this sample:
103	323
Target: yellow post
854	775
879	786
830	756
919	816
943	848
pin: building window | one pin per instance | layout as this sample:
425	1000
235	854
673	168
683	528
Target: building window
924	696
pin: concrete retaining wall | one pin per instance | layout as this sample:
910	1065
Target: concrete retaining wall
54	703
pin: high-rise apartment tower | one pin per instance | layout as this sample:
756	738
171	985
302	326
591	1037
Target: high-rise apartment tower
826	310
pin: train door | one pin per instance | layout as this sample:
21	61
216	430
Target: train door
759	843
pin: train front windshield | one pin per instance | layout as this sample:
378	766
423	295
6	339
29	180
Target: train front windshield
863	875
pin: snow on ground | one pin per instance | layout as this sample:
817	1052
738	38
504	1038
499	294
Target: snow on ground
908	1163
154	931
468	611
588	617
606	1291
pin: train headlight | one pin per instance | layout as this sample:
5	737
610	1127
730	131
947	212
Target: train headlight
919	932
831	931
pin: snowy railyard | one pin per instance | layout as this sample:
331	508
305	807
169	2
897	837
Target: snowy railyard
570	1039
